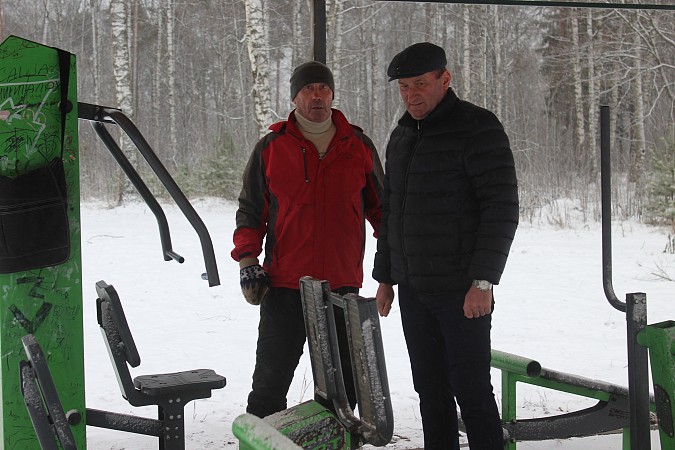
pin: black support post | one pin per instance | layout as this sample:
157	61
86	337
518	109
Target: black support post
319	30
638	372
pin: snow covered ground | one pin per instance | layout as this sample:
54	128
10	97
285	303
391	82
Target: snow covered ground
550	306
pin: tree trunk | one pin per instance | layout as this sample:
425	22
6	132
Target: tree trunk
481	97
2	23
333	59
45	24
121	71
257	41
579	134
639	140
466	60
171	87
95	15
134	52
498	97
158	75
299	26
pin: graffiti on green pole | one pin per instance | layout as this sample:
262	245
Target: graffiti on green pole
40	260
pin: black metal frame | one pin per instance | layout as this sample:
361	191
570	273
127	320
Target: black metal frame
319	13
375	425
549	3
635	307
42	400
99	116
170	392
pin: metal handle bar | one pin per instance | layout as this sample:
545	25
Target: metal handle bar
99	115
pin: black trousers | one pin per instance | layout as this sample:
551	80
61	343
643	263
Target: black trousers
281	338
450	361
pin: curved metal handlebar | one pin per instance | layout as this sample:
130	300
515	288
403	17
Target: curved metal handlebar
99	115
606	184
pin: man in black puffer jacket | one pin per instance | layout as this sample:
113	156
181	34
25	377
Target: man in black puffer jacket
449	215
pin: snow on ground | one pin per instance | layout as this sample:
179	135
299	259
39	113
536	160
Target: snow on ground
550	306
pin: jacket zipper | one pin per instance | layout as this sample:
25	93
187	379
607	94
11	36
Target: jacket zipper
405	186
304	159
304	163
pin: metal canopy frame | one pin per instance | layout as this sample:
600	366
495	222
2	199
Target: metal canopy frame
318	12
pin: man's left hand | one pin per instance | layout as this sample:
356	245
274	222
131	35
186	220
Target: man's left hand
477	303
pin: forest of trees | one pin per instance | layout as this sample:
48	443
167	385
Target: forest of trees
204	79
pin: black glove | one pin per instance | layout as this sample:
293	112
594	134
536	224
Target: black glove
254	283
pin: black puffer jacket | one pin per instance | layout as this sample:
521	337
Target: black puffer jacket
450	206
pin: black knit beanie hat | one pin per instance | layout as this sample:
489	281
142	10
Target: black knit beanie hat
311	72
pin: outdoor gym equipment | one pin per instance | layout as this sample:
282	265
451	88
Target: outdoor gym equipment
42	400
170	392
610	413
40	261
660	338
311	425
618	408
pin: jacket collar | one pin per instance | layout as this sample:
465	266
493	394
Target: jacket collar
442	109
343	127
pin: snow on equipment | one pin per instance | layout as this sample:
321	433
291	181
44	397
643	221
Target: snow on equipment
42	401
658	337
40	258
310	425
170	392
618	408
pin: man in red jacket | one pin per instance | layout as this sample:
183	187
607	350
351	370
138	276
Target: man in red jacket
309	185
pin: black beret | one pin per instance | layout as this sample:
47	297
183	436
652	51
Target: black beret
416	60
308	73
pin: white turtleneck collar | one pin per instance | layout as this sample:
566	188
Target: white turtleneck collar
320	134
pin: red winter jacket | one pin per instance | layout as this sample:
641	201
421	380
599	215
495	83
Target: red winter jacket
310	211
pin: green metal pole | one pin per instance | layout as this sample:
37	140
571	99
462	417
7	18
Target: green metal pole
45	301
660	338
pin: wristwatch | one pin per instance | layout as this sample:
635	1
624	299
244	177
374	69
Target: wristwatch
482	285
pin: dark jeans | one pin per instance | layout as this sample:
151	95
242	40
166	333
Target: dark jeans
450	360
281	338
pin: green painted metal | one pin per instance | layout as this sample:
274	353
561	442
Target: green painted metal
312	426
307	425
515	364
46	302
517	369
256	434
660	338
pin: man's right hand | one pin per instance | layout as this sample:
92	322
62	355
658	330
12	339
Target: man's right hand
384	298
254	283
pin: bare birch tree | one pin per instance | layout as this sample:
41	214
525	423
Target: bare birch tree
579	130
159	70
466	46
593	103
119	10
171	81
481	97
497	45
335	23
95	6
231	58
298	31
257	42
640	140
